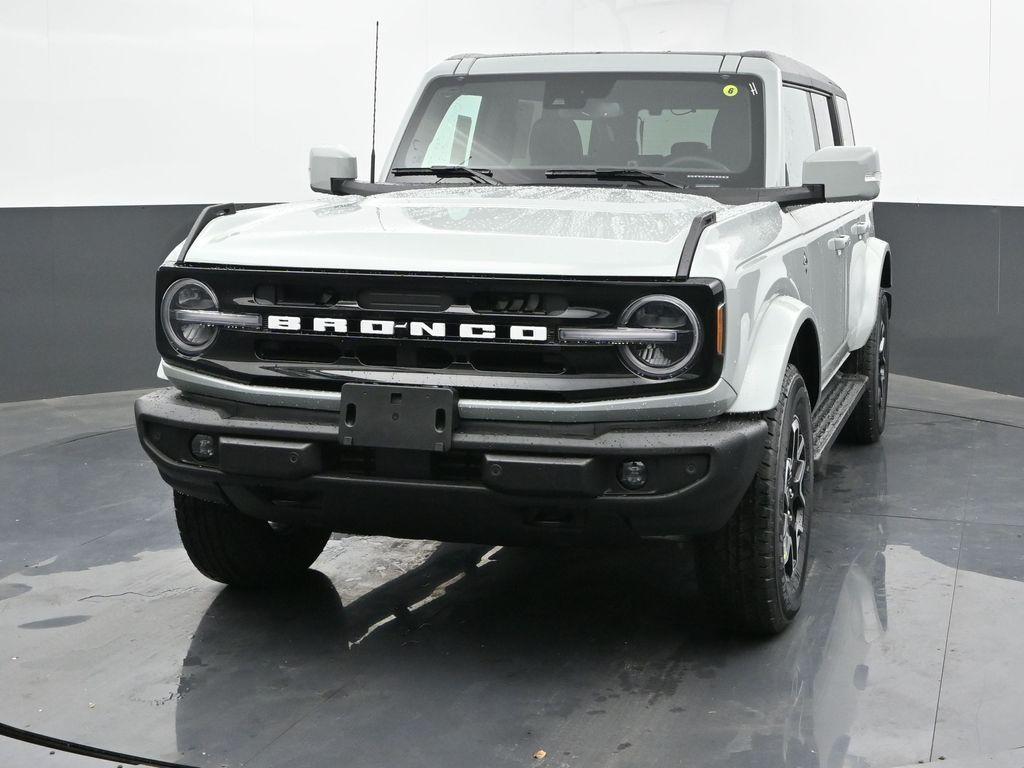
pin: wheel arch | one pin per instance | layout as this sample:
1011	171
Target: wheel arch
870	275
805	354
786	333
886	281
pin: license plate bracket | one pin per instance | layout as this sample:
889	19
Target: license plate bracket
407	418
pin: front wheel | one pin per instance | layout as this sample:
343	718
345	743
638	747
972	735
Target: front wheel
753	570
232	548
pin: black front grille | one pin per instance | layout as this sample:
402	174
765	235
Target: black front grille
413	356
294	295
519	303
505	366
519	361
298	350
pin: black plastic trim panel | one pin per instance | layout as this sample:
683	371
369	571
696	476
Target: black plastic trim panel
700	223
810	193
208	214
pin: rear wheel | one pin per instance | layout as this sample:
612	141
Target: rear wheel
235	549
867	422
753	570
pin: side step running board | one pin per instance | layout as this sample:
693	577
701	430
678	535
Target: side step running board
834	407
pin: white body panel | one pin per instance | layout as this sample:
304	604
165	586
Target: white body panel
867	259
767	254
771	342
565	231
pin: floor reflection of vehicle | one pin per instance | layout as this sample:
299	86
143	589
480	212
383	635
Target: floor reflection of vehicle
280	651
825	672
512	635
829	677
843	672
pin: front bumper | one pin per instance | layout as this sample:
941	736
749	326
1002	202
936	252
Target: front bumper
695	405
501	482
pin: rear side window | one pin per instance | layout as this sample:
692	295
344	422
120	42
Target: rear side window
823	120
798	129
845	123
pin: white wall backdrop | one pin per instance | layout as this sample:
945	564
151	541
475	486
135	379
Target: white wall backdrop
182	101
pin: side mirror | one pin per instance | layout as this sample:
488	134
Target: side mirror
847	173
327	163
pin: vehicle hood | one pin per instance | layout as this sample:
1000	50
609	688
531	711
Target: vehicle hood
539	230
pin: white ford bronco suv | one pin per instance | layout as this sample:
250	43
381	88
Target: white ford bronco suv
593	298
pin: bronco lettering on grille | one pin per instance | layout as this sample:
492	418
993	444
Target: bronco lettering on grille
411	329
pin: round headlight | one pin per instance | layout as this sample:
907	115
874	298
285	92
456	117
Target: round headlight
189	338
660	360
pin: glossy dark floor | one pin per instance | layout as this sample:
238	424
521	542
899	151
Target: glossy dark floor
398	653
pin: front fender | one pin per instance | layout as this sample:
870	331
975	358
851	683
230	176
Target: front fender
769	354
867	262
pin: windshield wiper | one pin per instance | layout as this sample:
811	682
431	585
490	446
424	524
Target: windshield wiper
479	175
609	173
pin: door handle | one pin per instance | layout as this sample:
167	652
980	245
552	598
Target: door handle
837	244
859	229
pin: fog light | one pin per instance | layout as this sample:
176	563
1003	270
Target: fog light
633	475
203	447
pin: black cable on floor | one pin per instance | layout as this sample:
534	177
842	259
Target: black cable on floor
83	749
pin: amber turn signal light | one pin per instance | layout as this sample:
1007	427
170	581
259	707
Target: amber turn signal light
720	330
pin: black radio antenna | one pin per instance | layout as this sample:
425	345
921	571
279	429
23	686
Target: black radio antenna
373	124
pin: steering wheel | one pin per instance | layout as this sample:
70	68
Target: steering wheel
702	163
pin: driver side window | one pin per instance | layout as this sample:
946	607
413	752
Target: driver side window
798	133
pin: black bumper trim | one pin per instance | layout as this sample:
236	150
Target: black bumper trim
572	500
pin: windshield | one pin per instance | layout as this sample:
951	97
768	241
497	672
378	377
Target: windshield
690	129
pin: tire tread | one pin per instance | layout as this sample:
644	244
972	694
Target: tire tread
737	563
232	548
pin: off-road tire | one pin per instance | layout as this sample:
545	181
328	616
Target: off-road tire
741	567
867	422
235	549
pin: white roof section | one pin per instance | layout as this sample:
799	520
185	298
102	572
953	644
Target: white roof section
792	70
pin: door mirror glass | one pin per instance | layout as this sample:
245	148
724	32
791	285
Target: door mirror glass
330	163
846	173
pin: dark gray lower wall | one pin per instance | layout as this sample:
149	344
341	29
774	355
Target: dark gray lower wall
958	272
76	295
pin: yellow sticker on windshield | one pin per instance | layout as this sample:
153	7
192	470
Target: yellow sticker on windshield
730	90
